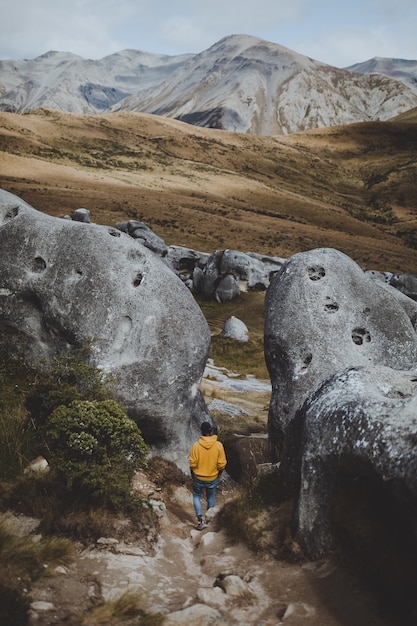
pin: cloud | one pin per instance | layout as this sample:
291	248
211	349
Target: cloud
340	34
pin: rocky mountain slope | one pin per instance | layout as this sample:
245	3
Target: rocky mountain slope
242	83
400	69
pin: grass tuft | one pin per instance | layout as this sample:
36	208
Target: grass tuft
122	609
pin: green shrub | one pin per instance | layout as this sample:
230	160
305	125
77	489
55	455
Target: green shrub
95	447
69	377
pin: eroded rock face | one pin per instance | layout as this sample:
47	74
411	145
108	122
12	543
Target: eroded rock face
323	314
362	421
64	281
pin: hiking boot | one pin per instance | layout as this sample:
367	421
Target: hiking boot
200	524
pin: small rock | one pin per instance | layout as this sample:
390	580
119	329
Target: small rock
234	328
40	605
196	615
38	465
233	585
107	541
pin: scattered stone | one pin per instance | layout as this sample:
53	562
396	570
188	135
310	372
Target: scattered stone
107	541
298	609
233	585
81	215
196	615
234	328
41	605
38	466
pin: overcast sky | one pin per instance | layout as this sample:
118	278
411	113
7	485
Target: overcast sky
327	30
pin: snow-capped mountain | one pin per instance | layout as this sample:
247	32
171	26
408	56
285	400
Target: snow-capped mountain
399	69
242	83
63	81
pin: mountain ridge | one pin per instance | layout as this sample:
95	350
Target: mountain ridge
241	83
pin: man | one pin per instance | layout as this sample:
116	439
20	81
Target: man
207	462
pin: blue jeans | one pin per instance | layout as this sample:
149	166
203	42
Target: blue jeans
198	486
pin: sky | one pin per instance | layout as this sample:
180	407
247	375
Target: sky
336	32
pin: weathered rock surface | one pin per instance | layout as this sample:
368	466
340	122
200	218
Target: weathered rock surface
341	348
63	281
227	273
323	314
364	421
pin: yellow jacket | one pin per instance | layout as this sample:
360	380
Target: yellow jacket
207	458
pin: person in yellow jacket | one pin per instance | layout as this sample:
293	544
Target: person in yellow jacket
207	462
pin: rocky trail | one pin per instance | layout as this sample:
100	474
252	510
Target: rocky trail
198	578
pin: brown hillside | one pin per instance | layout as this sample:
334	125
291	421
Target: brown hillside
351	187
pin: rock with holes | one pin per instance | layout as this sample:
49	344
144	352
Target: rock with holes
183	261
323	314
64	281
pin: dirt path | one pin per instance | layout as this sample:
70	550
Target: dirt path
183	572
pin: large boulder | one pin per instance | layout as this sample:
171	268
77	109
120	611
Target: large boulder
64	281
362	421
352	452
229	272
323	314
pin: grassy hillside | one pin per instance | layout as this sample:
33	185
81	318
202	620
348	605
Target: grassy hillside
352	187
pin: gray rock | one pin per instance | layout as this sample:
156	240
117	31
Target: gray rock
228	272
196	615
234	328
81	215
323	314
406	283
208	279
252	269
141	232
227	289
362	421
62	283
233	585
183	261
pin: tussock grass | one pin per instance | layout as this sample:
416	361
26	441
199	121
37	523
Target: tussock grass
23	561
17	445
122	609
261	518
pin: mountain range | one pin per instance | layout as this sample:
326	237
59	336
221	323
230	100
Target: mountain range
241	83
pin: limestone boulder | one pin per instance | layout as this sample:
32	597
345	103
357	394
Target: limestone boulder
229	272
183	260
234	328
406	283
323	314
353	449
362	420
146	236
64	281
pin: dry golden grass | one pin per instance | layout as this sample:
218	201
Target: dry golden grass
351	187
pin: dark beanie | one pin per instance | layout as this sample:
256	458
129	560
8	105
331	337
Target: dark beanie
206	428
